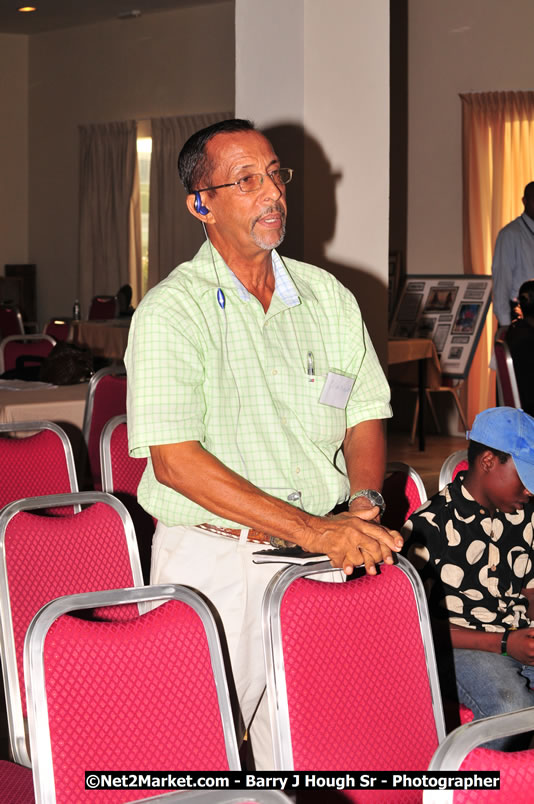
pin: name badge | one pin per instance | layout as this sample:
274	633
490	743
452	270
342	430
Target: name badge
336	390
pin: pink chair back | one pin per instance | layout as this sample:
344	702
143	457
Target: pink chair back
403	493
15	346
16	783
43	557
120	472
461	750
173	713
121	476
41	463
103	307
106	398
342	718
456	462
59	329
10	321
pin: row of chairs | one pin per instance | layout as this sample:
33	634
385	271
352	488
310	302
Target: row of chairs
101	307
362	714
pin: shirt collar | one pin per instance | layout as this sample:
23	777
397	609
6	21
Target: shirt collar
284	286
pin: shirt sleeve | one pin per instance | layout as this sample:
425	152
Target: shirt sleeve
164	365
502	271
423	544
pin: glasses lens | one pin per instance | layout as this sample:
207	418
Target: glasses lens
282	176
250	183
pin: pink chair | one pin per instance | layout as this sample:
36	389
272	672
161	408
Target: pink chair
40	463
459	752
106	398
103	307
506	379
456	462
16	784
121	476
403	492
17	346
10	320
347	688
59	328
42	557
120	472
221	797
173	712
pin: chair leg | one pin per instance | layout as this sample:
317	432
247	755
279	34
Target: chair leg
459	408
415	415
433	412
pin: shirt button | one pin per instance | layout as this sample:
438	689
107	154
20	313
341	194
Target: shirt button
274	372
493	568
297	470
284	420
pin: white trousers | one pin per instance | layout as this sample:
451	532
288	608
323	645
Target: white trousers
223	570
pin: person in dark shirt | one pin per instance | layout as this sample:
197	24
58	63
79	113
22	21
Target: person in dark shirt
520	340
472	544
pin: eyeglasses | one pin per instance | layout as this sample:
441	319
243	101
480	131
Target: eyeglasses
248	184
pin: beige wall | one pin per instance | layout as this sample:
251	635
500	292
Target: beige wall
454	46
155	65
13	149
325	103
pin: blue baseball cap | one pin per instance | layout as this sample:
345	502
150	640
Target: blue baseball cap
509	430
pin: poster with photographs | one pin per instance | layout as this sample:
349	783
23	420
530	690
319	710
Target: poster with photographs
450	309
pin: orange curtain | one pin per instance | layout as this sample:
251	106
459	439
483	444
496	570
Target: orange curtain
498	161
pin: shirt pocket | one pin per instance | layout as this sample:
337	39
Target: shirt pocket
322	424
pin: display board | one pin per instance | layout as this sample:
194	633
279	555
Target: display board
448	308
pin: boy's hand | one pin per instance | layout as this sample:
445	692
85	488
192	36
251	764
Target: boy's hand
521	645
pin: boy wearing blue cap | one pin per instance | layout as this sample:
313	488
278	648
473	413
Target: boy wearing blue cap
472	544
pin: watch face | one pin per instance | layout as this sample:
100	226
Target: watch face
375	497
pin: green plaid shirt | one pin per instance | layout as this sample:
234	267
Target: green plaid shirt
235	379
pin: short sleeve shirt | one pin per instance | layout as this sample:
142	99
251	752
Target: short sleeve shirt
236	379
474	565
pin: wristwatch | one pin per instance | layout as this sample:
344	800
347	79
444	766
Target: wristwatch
374	497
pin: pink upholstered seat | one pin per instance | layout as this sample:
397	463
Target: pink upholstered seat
15	346
121	476
120	472
16	784
106	398
403	492
148	693
41	463
347	673
460	751
42	557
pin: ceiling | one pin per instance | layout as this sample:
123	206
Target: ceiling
54	14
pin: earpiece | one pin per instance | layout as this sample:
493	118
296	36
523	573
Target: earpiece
199	206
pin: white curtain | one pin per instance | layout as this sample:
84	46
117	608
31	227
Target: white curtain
174	235
110	226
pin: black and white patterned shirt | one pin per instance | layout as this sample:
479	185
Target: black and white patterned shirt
474	566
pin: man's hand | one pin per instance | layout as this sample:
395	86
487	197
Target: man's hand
520	645
354	538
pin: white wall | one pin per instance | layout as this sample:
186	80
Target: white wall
333	55
455	46
13	149
172	63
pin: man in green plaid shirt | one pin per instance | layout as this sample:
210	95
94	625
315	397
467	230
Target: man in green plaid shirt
255	391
